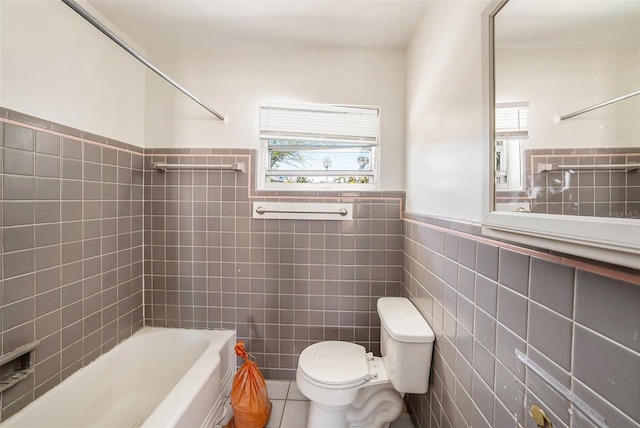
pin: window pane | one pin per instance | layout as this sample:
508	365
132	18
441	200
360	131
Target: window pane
319	146
321	159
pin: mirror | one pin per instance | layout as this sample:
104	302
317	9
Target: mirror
564	85
553	61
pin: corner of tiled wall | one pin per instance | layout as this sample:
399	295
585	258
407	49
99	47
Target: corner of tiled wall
486	300
71	211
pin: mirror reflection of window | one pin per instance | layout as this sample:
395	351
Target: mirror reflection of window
511	129
564	58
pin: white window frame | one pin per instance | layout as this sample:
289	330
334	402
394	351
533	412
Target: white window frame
511	138
263	182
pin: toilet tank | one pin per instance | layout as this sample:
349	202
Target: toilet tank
406	342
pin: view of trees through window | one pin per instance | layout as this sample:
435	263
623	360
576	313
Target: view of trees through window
318	162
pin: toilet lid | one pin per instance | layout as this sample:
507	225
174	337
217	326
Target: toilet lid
335	363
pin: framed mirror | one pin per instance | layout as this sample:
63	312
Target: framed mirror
566	127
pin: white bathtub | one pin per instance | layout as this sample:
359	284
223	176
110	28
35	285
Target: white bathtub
159	377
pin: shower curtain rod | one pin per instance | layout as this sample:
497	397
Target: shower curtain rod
93	21
559	119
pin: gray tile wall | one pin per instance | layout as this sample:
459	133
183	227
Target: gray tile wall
281	284
600	193
587	192
82	221
71	225
484	302
77	237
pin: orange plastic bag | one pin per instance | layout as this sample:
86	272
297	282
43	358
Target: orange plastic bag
249	397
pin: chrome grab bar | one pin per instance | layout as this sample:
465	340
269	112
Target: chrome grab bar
562	390
262	210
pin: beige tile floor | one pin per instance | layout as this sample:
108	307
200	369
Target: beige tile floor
290	407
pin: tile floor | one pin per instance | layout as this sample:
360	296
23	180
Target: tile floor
290	407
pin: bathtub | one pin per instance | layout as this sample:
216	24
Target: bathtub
159	377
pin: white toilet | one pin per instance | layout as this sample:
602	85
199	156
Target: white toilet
349	387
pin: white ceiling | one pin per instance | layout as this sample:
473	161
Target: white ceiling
158	25
568	24
261	24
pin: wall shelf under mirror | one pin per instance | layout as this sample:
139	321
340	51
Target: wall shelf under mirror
570	185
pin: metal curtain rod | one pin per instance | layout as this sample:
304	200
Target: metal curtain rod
559	119
93	21
237	166
262	210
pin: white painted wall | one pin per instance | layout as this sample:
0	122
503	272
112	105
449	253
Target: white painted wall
236	82
447	154
561	81
56	66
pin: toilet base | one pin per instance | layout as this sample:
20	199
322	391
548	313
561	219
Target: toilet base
374	407
321	416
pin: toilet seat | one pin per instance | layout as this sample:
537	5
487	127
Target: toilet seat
333	387
335	364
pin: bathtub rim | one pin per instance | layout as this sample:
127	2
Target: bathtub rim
16	420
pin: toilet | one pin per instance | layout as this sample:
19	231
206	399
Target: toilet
348	387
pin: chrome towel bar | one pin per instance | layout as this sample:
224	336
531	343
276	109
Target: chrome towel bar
262	210
546	167
237	166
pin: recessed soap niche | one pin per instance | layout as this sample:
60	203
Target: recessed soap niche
17	365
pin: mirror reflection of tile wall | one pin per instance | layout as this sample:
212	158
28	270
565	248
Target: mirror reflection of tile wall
585	192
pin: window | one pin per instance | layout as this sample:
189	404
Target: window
511	129
319	146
